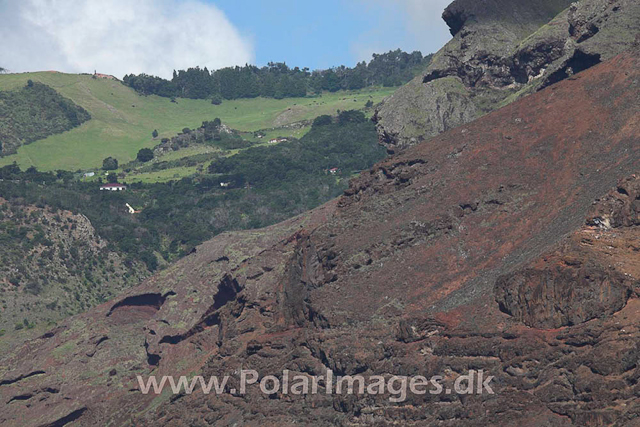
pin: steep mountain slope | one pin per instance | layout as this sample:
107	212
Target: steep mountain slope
119	349
423	267
503	50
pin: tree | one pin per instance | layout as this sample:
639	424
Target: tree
322	121
10	171
65	176
154	133
351	116
369	104
145	154
112	178
278	80
110	164
150	260
331	81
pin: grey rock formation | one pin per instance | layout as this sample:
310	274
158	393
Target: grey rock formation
491	61
422	110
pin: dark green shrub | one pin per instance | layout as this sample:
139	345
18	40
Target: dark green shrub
145	155
322	121
110	164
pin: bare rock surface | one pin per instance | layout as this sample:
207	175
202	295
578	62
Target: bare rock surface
501	51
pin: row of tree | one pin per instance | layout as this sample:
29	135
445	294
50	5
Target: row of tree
277	80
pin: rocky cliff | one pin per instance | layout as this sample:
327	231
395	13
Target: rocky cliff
591	274
501	51
479	249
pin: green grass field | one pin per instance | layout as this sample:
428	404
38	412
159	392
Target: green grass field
189	151
163	175
122	121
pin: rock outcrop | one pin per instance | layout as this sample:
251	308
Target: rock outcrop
54	265
431	264
501	51
620	208
588	276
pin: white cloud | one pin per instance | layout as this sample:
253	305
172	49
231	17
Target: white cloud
117	36
410	25
425	21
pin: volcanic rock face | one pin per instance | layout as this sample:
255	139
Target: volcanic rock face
620	208
501	51
583	279
563	295
466	252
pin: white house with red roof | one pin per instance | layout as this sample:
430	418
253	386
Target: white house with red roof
113	187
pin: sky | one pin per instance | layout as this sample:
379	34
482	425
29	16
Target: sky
157	36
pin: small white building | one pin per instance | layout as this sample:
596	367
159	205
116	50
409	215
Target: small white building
89	174
113	187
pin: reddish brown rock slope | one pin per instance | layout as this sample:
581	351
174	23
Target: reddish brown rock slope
417	270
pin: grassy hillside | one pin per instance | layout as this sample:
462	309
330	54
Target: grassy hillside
122	120
34	112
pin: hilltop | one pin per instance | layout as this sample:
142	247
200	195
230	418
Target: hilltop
278	80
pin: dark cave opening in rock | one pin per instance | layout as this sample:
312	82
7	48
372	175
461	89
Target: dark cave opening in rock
579	62
151	300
